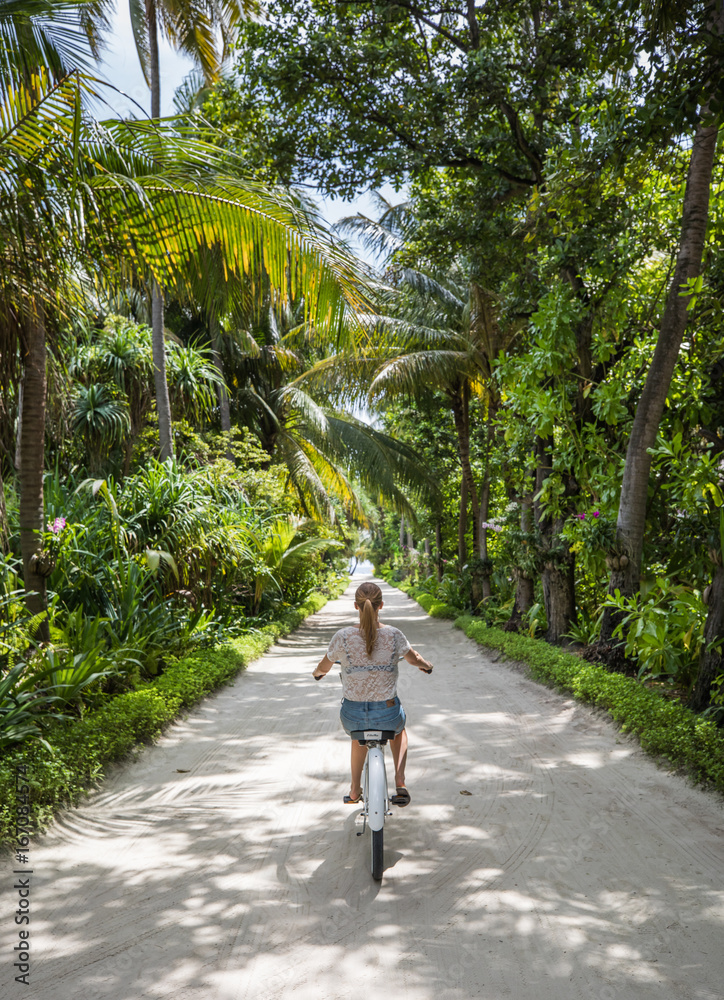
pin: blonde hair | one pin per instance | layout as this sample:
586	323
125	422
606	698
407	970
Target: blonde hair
368	598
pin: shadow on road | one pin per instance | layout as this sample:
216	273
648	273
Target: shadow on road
539	857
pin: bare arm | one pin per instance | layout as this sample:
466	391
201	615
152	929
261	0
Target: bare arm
322	668
413	657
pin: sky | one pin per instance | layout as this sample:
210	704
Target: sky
121	68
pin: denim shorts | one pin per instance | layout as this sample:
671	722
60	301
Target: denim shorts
356	715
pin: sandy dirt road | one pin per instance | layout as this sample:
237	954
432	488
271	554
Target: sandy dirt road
223	865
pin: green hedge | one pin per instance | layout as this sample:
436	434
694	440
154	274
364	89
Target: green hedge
435	608
82	749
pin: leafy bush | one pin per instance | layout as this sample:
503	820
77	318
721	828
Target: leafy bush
434	607
25	706
663	630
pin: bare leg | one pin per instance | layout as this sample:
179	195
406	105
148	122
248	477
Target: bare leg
399	756
358	758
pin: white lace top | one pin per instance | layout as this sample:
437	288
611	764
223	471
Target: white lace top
368	678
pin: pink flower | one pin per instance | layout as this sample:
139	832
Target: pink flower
597	513
57	525
581	517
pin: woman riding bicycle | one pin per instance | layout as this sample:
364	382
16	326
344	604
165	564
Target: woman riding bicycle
369	654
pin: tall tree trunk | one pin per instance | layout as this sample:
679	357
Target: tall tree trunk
711	663
490	434
557	575
461	414
153	58
32	461
163	405
128	445
438	549
460	408
222	394
484	510
634	489
559	594
402	531
463	523
3	515
19	430
524	584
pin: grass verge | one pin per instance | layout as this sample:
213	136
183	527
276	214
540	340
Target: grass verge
82	749
666	729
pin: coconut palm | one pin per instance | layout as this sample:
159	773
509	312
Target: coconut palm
436	332
78	194
326	450
40	39
56	36
193	27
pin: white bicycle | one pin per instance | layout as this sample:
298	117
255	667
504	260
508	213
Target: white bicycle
375	801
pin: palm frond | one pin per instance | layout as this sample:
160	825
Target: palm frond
149	194
55	36
409	374
139	26
383	236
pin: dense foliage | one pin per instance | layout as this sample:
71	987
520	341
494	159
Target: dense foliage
552	310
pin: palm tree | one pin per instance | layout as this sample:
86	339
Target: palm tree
437	332
326	451
56	36
192	26
76	194
39	40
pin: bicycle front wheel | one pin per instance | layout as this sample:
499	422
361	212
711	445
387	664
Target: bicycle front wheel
377	851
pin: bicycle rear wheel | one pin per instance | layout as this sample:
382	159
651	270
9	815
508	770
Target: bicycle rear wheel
377	837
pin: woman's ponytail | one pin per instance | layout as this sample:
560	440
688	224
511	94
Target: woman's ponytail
368	599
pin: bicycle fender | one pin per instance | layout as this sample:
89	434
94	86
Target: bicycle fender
377	788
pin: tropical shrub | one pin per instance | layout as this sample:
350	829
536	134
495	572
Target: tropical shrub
663	630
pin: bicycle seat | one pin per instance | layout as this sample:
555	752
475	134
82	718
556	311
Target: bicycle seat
365	736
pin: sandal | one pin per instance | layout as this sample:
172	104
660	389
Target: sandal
401	796
348	800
